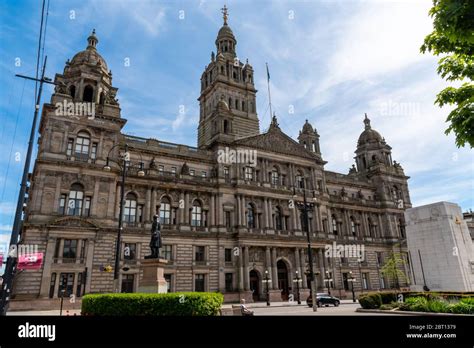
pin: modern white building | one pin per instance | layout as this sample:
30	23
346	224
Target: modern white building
440	248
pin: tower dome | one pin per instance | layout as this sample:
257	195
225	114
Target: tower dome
90	55
369	135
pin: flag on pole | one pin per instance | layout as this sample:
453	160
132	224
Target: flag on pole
268	73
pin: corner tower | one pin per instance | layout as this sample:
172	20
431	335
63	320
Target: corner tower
228	95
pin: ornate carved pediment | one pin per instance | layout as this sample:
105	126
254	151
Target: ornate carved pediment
276	141
74	221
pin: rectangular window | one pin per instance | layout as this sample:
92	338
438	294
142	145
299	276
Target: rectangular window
52	284
365	281
227	219
199	282
345	278
70	144
129	251
62	204
69	250
66	283
228	255
229	282
173	170
379	258
83	249
79	284
56	248
87	206
203	174
200	253
168	252
161	168
192	172
344	261
226	173
249	173
127	282
169	278
94	151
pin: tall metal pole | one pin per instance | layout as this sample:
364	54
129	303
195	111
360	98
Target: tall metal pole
310	254
269	96
119	233
17	224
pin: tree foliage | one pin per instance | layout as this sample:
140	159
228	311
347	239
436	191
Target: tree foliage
392	268
453	39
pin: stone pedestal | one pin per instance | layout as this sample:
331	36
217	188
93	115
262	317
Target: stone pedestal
153	280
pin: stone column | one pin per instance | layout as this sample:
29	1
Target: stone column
89	260
268	266
186	208
380	229
239	214
270	219
220	214
61	248
181	210
95	199
153	203
148	205
317	213
265	212
212	217
246	269
46	279
241	270
57	194
297	262
244	207
274	269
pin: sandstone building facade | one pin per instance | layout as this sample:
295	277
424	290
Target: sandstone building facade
224	224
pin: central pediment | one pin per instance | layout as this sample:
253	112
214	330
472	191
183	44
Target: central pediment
276	141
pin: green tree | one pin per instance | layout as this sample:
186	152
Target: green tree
453	39
392	268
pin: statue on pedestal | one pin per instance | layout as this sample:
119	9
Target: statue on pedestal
155	242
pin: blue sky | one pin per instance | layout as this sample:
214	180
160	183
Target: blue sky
330	62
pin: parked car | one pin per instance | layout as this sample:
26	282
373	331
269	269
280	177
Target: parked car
323	299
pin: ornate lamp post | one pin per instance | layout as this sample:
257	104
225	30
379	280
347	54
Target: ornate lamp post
297	280
328	280
267	280
125	165
352	280
305	207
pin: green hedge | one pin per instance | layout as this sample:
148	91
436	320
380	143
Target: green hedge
373	300
141	304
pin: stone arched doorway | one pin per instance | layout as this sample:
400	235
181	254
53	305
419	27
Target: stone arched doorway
283	285
255	285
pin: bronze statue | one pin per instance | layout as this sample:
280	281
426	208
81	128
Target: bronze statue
155	242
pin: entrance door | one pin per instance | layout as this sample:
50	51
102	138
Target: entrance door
283	280
254	285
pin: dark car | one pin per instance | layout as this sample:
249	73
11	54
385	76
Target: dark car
323	299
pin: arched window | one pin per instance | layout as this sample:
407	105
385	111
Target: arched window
230	103
196	214
226	127
72	91
395	193
88	94
278	219
250	216
275	176
313	144
299	180
334	224
76	197
353	226
401	227
243	105
222	70
165	211
130	208
82	145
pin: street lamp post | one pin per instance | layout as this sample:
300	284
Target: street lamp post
310	254
124	163
352	280
328	280
267	280
297	281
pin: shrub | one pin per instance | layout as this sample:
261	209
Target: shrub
417	304
141	304
437	306
389	306
388	297
371	300
465	306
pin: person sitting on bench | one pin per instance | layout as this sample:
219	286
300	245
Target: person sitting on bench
243	308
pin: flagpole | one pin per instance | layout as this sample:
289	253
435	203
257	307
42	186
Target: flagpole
269	95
